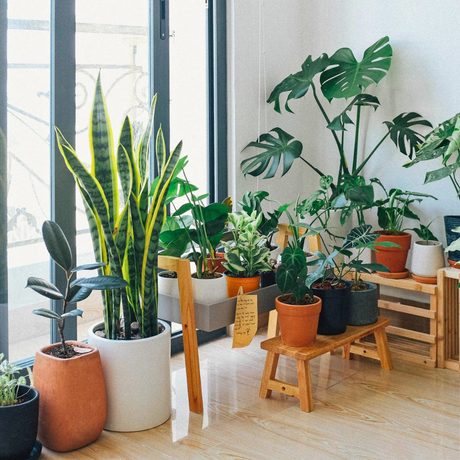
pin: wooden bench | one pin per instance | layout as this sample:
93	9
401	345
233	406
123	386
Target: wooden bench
303	355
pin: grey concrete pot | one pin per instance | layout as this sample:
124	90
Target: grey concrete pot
363	309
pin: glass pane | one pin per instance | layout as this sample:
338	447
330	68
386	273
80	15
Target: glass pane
28	171
112	37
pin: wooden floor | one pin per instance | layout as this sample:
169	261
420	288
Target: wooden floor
361	412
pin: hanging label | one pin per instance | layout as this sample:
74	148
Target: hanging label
246	319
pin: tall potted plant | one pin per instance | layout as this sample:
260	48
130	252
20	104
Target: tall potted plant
71	365
126	236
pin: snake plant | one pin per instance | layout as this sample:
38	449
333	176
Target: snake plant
125	232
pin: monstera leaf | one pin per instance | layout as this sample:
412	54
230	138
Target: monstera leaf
402	134
441	173
347	77
299	83
363	100
274	148
454	144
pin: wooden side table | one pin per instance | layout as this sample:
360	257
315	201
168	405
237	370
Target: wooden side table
324	344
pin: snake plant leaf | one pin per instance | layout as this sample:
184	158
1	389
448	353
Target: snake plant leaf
359	235
103	166
126	142
274	149
299	83
77	294
57	244
125	172
346	77
286	277
91	266
454	144
441	173
100	283
363	100
76	312
46	313
143	149
402	134
45	288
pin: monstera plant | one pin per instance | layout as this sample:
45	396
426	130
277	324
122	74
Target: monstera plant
125	232
341	76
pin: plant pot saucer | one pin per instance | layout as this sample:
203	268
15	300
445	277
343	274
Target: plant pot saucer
394	275
425	279
36	451
454	263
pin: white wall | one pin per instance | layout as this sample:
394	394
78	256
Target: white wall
424	77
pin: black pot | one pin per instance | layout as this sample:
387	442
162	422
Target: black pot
334	311
363	306
451	222
267	279
19	425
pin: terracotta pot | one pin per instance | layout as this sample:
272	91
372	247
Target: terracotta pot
427	259
73	402
298	323
234	283
394	258
219	258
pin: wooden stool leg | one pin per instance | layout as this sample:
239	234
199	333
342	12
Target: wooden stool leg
346	351
273	324
271	363
383	349
305	392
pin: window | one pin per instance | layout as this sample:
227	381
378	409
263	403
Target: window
167	46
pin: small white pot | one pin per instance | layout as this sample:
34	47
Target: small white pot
427	258
168	286
138	379
209	291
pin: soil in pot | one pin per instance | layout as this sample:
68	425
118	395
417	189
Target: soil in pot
298	320
394	258
234	282
335	304
74	387
363	304
19	425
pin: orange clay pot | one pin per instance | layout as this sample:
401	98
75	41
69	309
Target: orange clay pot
394	258
298	323
234	283
219	258
73	402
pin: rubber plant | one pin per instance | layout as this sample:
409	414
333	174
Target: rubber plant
125	235
341	76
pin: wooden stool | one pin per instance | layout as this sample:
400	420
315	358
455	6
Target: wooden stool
323	344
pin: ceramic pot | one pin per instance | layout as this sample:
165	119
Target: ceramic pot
218	259
427	258
138	379
234	282
19	425
168	286
394	258
275	251
73	404
363	306
209	291
298	323
334	310
450	223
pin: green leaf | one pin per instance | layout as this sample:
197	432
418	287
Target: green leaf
426	154
299	83
44	288
274	149
77	294
46	313
362	234
296	257
183	209
286	277
299	291
100	283
76	312
57	244
346	77
91	266
454	144
442	173
454	246
362	195
402	134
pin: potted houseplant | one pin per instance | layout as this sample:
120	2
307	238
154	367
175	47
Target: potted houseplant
443	143
341	76
126	236
19	405
247	254
71	365
427	256
391	211
298	309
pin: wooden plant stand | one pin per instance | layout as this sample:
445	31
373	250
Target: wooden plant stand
324	344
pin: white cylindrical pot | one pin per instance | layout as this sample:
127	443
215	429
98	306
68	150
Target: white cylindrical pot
209	291
427	258
138	379
168	286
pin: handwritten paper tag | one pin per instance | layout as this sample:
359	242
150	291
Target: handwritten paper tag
245	319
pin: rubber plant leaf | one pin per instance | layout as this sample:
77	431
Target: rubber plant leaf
100	283
77	294
276	150
346	77
299	83
76	312
57	244
402	134
92	266
45	288
46	313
